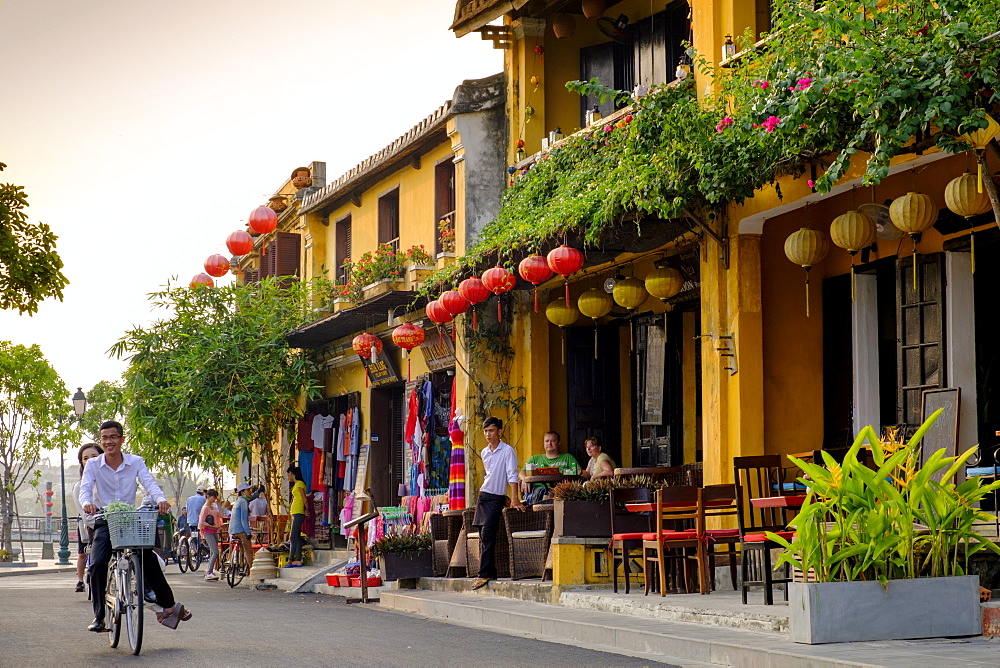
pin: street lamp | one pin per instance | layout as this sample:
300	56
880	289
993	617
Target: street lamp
79	408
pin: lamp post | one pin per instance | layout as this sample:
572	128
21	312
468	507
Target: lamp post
79	408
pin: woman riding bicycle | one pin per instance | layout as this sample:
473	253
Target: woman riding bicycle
111	477
85	522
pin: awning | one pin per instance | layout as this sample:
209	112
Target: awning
352	320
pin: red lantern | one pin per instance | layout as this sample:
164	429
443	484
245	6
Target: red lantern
454	302
202	281
565	261
408	336
535	270
48	513
239	243
216	265
263	220
473	291
49	492
498	281
438	314
48	504
367	345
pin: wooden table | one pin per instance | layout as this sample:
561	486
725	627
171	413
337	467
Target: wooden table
790	501
549	480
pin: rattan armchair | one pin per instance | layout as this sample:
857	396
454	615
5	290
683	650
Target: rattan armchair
529	534
502	553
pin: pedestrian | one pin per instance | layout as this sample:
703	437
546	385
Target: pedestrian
258	507
84	522
113	476
500	462
182	522
194	505
297	509
239	522
209	522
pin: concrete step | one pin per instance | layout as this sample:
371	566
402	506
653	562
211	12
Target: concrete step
623	634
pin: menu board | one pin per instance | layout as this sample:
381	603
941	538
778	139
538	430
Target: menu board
652	405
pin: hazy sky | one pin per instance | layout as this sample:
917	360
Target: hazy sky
144	132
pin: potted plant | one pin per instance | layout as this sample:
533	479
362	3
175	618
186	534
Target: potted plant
419	265
404	556
888	547
584	509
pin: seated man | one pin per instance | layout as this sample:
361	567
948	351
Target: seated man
565	462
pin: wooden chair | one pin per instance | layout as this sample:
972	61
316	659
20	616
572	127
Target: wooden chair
720	501
755	477
672	475
624	542
676	505
529	535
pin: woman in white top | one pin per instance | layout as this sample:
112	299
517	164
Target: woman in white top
600	465
83	455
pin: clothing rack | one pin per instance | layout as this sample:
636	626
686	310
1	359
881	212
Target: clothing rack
435	491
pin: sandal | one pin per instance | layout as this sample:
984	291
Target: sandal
170	617
480	583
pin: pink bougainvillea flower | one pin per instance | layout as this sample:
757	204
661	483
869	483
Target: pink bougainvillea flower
760	83
804	125
771	123
811	183
723	124
609	127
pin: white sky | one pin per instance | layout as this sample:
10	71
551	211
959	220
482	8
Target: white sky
145	132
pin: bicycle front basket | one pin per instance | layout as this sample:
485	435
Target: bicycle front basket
132	528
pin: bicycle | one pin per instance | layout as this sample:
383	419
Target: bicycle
233	562
180	548
131	532
197	551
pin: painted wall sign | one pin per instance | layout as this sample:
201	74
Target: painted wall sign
381	371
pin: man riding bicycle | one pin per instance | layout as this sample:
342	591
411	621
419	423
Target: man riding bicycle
111	477
239	522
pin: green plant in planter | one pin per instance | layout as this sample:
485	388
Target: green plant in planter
896	521
406	544
599	490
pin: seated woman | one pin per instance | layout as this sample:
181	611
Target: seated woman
600	465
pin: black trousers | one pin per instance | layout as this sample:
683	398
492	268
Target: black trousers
295	550
100	557
489	512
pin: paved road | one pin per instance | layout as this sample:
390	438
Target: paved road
43	622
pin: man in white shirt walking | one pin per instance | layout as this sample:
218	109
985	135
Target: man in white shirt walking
500	462
111	477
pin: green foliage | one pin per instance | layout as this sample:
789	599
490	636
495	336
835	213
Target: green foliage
594	88
375	266
599	489
891	522
31	396
407	544
30	268
105	401
216	376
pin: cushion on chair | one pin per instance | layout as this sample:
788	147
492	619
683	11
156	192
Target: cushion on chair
761	538
722	533
630	536
474	534
790	487
540	533
982	470
671	535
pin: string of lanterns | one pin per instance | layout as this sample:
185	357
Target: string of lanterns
263	220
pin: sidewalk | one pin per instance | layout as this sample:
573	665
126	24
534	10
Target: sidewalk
36	567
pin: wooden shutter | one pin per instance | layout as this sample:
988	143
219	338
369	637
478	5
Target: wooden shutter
919	333
287	247
388	219
657	407
612	64
657	44
343	248
251	276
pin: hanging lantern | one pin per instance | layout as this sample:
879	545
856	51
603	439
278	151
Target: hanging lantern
981	137
216	265
563	25
852	231
438	314
565	261
664	283
498	281
263	220
561	316
408	336
595	304
913	213
202	281
630	293
593	9
239	243
535	270
454	302
473	291
367	345
962	196
806	248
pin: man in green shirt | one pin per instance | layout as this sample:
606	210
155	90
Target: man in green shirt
565	462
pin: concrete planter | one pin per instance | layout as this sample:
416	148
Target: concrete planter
406	566
589	520
417	274
380	287
444	260
823	612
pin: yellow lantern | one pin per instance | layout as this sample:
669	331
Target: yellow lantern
852	231
806	248
664	283
630	293
595	304
979	139
962	196
913	213
561	316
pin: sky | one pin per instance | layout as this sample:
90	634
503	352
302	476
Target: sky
145	132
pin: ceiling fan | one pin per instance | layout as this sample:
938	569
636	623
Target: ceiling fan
615	29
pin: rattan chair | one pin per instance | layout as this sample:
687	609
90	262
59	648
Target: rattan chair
502	553
529	534
439	534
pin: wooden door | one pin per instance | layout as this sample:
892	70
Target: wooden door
385	458
920	334
593	392
657	409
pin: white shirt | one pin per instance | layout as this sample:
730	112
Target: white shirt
102	484
501	468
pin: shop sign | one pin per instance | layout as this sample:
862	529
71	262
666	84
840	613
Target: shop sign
381	371
439	352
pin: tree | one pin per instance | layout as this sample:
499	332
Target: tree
31	396
105	401
30	268
217	378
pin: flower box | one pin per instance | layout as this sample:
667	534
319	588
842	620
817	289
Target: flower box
823	612
341	303
377	288
372	582
582	518
407	566
445	260
417	274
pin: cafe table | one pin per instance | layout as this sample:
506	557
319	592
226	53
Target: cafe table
788	501
550	480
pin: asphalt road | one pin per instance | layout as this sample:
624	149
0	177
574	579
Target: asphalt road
43	622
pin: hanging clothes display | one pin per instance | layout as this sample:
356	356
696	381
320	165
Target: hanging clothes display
456	472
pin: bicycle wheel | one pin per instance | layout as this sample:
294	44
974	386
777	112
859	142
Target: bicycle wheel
133	601
182	554
194	555
237	566
224	562
112	609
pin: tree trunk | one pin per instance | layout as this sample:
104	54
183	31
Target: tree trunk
6	513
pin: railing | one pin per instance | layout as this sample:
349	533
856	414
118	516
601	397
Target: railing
32	529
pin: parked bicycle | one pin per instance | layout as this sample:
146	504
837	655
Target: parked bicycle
233	564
